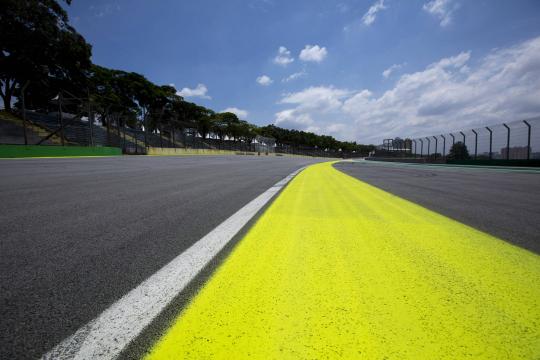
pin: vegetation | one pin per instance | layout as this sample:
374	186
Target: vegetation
42	56
458	151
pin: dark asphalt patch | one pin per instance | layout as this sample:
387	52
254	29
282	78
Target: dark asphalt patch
77	234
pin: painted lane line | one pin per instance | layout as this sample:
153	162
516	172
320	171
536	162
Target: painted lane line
336	268
107	335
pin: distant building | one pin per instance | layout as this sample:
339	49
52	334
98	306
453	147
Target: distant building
516	152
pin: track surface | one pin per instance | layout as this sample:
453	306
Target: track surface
336	268
502	202
77	234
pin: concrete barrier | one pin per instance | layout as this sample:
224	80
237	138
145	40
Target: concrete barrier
189	152
183	151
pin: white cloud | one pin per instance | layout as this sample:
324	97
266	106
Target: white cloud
242	114
313	53
294	76
370	16
442	9
451	94
264	80
315	109
386	73
320	98
283	57
200	91
290	118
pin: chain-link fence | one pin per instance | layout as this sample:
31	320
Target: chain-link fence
517	140
33	128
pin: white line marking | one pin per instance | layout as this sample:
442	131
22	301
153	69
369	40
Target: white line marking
108	334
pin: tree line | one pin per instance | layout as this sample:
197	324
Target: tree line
42	56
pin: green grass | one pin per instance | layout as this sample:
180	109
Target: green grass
26	151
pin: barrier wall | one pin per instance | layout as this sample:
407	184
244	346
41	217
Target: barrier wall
182	151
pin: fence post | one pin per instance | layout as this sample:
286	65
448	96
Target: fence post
24	111
436	145
528	139
453	139
428	145
124	134
145	128
462	134
490	142
443	146
507	142
415	148
90	119
60	117
421	147
475	143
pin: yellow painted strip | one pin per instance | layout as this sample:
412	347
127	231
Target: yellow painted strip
336	268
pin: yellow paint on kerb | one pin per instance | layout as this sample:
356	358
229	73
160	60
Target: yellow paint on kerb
336	268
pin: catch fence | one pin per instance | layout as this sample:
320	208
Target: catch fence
53	129
517	140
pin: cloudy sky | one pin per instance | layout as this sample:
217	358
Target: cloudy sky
355	69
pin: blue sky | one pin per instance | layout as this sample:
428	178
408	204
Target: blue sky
357	70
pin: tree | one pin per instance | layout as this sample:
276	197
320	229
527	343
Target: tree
458	151
204	119
40	48
38	45
220	124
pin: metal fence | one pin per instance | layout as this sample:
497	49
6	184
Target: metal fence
517	140
32	128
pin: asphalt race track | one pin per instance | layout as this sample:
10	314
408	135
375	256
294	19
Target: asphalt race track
502	202
77	234
349	260
338	269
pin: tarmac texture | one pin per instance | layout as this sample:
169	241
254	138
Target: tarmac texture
504	202
77	234
337	268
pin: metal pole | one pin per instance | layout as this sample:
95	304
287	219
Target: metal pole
444	146
490	142
24	111
453	139
528	139
136	145
462	134
124	133
507	142
90	120
421	147
60	117
145	128
436	144
415	147
475	144
428	145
